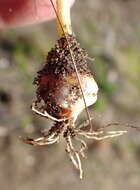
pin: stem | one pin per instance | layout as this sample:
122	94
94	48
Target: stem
63	17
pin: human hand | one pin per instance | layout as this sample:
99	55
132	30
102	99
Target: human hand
15	13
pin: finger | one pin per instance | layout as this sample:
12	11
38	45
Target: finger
15	13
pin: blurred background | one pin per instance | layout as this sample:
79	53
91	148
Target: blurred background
110	31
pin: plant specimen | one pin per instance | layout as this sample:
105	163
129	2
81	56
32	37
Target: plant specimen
65	87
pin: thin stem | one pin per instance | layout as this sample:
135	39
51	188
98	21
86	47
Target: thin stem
63	12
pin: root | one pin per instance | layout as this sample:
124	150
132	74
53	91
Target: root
45	114
100	135
41	141
70	133
74	156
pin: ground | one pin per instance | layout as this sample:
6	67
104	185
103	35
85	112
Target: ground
110	32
